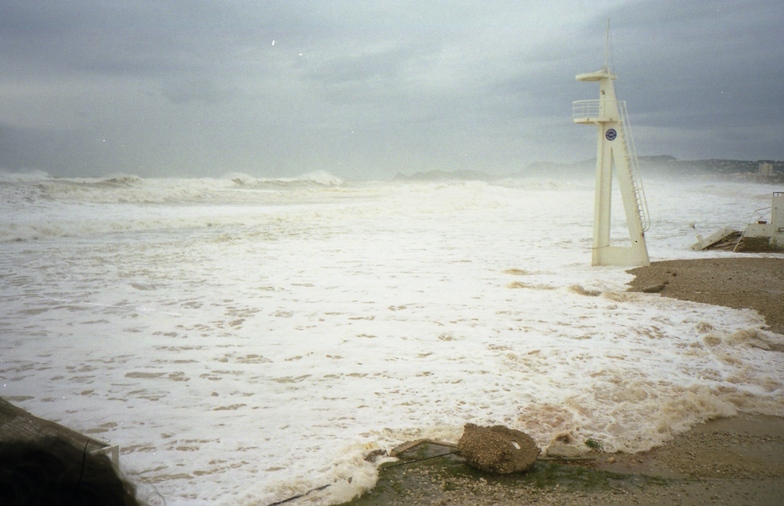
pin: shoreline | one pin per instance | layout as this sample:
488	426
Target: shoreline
737	460
738	282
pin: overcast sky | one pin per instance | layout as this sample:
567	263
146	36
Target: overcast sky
366	89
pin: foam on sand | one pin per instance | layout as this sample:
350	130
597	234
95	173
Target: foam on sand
246	342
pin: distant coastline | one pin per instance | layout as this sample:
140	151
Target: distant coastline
659	165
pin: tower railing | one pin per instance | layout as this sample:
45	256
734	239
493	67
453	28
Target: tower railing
586	111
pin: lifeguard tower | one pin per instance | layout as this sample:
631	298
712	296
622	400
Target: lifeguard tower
615	149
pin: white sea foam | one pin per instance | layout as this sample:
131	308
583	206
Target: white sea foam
243	339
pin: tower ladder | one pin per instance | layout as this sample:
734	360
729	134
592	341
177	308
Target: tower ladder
634	169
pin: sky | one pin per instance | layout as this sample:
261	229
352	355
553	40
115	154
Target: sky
365	90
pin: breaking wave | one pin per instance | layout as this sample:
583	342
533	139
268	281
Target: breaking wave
126	188
311	179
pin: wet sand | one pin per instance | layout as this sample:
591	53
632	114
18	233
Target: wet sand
733	461
738	461
738	282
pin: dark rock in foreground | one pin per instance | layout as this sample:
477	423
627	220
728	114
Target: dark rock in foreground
497	449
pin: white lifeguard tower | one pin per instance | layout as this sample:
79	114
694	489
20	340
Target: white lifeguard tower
615	149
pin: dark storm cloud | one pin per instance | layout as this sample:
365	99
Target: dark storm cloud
279	88
704	78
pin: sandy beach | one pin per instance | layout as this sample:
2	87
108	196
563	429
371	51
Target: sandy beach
742	283
738	460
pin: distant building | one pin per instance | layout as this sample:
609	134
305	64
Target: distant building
765	169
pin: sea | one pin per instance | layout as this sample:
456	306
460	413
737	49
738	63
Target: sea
247	340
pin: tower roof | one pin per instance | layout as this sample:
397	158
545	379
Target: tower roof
604	73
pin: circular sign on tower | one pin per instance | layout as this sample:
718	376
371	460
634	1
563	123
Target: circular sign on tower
611	134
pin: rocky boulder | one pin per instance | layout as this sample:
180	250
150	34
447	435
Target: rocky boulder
497	449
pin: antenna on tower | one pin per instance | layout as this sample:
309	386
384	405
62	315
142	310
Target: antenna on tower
608	56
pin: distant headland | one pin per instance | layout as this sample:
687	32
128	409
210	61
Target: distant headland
660	165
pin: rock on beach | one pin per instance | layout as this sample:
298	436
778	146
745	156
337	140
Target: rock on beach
497	449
